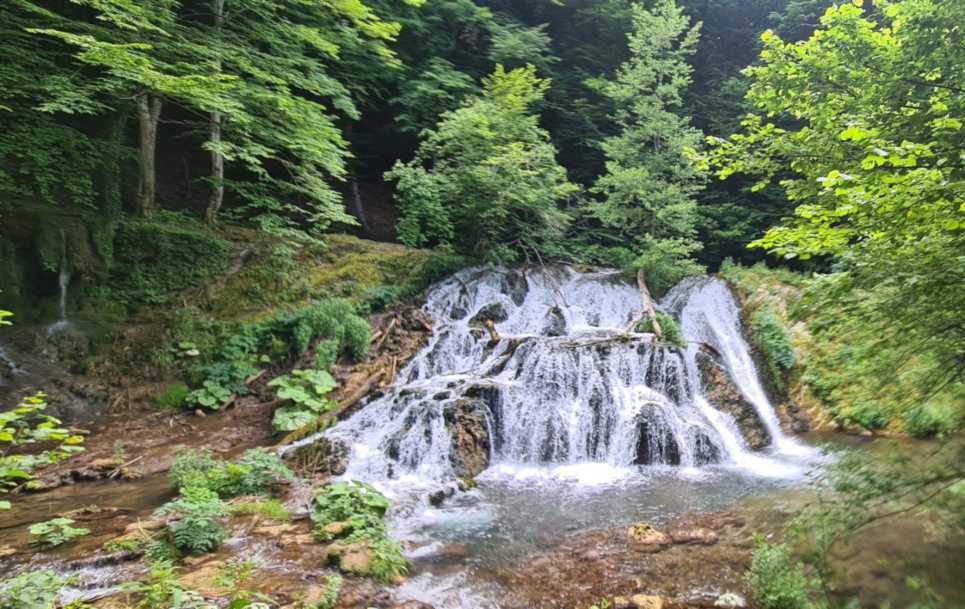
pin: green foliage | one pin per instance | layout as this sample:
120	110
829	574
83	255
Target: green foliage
668	326
485	181
258	472
646	199
307	391
3	317
172	396
362	509
333	583
269	508
245	346
155	259
776	580
438	87
163	589
56	532
32	589
861	126
195	528
772	340
27	426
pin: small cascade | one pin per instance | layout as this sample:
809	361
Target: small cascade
537	360
709	315
63	282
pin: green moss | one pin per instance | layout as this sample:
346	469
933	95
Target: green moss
172	396
154	259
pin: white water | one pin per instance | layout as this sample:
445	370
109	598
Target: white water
709	315
63	282
562	390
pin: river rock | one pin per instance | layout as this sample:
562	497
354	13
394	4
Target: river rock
696	535
466	422
413	605
555	322
646	601
645	538
353	558
730	600
726	397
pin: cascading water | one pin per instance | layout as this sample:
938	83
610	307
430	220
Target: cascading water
539	359
63	282
709	315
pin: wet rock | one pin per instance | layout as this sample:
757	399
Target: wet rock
412	605
725	396
647	539
352	558
276	530
466	422
515	285
646	601
336	529
7	551
731	600
437	498
621	602
205	579
696	535
555	323
494	312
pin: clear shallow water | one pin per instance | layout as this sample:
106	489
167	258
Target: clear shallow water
520	511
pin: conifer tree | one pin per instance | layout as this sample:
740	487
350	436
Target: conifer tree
646	197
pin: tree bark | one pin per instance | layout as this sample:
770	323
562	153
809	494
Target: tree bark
357	207
648	310
217	159
148	116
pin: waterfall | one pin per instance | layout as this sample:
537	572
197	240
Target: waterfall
558	383
63	282
709	315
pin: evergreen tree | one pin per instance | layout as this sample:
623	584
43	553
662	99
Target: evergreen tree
646	198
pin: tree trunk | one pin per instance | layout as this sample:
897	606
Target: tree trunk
648	310
357	204
357	208
217	159
148	115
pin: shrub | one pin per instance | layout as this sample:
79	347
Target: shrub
668	325
195	529
363	509
257	472
56	532
776	580
32	589
172	396
773	341
307	391
163	589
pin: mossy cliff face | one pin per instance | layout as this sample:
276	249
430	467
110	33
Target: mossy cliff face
33	244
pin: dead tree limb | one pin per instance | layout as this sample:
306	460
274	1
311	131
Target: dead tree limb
647	311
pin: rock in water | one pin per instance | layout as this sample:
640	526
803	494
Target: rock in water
466	422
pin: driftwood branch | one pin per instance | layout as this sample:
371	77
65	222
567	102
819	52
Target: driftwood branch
647	311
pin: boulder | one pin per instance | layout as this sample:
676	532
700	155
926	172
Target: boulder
721	391
466	422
